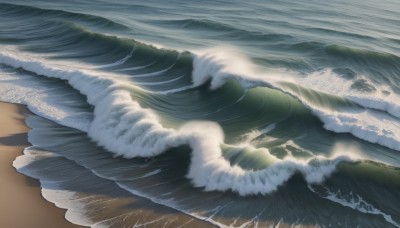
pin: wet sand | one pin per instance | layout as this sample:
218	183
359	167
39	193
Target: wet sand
21	203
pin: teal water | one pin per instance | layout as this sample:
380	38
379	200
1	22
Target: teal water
240	114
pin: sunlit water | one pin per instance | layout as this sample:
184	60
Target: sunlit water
237	113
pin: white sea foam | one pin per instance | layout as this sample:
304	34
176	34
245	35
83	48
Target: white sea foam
62	198
208	168
122	126
383	98
365	122
355	202
24	89
221	64
252	135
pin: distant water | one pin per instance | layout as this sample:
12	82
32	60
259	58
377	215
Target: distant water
240	113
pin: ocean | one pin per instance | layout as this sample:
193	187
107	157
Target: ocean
238	113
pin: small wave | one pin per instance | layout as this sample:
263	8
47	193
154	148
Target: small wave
44	97
353	201
24	11
366	57
227	30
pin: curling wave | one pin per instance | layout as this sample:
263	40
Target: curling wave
122	126
368	117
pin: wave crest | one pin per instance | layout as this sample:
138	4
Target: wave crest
122	126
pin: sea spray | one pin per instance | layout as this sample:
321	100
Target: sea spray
363	122
123	127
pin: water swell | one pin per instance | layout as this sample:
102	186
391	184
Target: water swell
228	31
121	124
144	64
365	57
355	114
156	179
261	110
23	11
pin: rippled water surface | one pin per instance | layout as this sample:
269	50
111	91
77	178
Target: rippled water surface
237	113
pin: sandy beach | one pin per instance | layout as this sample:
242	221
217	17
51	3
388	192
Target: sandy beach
20	200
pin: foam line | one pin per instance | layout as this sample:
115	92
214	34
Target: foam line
378	97
377	126
123	127
357	203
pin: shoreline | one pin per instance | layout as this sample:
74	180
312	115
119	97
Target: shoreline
21	202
